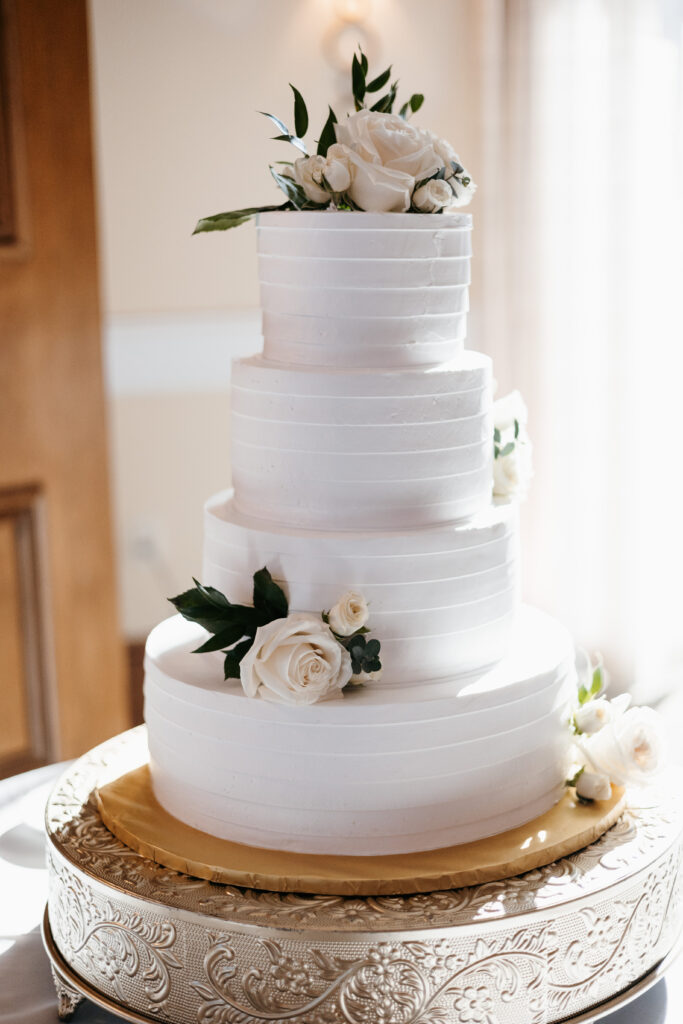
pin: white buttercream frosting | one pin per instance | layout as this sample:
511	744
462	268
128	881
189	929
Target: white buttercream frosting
381	771
332	449
345	289
442	600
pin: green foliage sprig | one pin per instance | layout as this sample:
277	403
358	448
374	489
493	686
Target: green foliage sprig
506	449
296	198
233	625
364	653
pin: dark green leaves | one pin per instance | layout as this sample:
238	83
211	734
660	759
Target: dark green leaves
385	104
413	105
327	136
233	218
364	653
268	596
291	189
378	83
233	625
294	192
359	69
300	113
285	134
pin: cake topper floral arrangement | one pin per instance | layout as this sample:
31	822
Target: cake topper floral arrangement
373	160
297	658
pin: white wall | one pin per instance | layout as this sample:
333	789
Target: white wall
176	87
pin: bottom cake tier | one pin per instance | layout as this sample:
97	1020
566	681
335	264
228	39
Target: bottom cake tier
380	771
588	931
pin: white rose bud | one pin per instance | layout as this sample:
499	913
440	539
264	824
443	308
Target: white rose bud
511	472
433	196
349	614
593	786
462	194
295	660
308	172
338	168
629	749
591	717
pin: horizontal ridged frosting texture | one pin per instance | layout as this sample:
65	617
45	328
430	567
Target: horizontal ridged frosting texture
442	600
375	772
343	450
349	289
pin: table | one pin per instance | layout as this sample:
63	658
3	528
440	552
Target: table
26	989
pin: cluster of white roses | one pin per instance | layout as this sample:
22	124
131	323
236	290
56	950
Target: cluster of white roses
512	465
383	164
300	659
614	743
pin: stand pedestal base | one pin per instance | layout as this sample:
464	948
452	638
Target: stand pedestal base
558	942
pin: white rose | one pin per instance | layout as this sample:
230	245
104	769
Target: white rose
443	150
295	661
349	614
629	749
593	786
432	196
508	409
462	194
591	716
338	168
388	140
512	472
308	172
378	189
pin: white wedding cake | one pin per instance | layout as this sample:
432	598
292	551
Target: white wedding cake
362	461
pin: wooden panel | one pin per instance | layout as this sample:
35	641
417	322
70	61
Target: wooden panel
52	415
15	739
26	696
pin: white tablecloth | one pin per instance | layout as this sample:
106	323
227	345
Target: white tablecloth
26	989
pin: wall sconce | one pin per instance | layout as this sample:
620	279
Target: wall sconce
349	29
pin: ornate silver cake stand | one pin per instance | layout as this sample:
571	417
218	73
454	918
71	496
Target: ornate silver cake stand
573	940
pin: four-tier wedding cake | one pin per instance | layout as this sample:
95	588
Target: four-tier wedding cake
374	479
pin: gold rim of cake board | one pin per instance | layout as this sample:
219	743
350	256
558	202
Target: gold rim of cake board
591	1016
130	811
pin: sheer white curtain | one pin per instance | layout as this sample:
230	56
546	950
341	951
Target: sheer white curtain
580	299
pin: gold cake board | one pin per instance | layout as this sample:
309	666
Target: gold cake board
130	810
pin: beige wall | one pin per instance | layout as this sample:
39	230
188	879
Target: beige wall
177	84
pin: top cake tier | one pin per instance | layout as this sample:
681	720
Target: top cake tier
364	290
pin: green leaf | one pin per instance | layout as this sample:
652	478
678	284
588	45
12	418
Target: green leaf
300	113
372	648
225	638
598	681
269	598
358	80
291	189
496	435
516	429
378	83
232	219
212	596
507	450
328	136
280	125
363	61
583	695
385	104
231	665
575	778
412	105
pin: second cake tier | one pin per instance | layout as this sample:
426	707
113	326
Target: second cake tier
442	599
334	449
